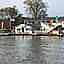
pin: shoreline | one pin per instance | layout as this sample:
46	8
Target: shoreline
60	35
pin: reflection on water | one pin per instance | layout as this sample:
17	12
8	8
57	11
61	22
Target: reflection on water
40	50
31	50
7	50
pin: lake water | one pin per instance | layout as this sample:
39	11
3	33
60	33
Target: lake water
31	50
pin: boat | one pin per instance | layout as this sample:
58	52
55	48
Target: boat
23	29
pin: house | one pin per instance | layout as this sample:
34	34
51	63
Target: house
4	23
5	18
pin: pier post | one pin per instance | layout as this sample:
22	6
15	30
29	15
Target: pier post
2	25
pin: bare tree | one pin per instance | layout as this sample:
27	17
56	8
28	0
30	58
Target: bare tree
36	8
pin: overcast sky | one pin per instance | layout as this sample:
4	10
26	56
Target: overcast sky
55	7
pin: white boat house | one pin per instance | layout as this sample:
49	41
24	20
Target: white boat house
23	29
